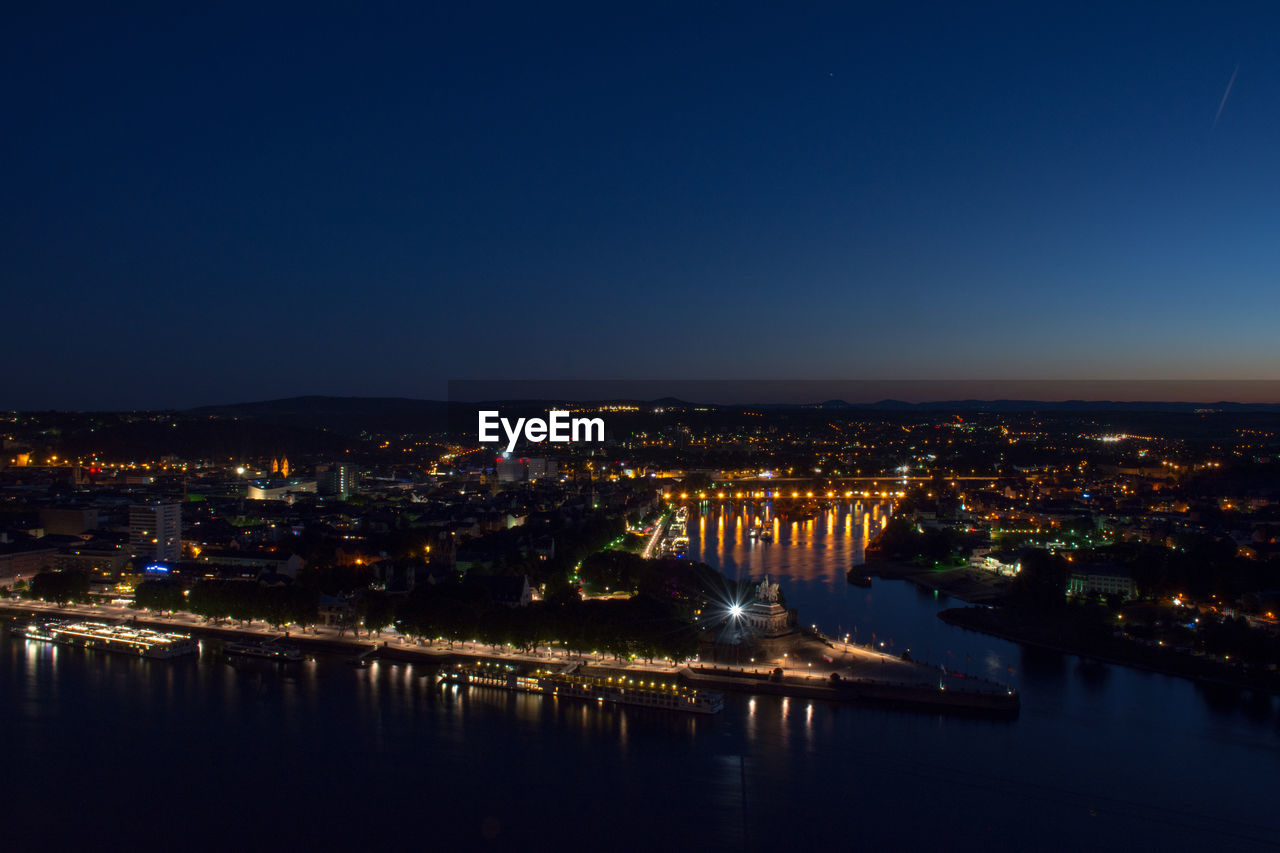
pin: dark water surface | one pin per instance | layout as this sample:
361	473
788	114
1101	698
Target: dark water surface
103	750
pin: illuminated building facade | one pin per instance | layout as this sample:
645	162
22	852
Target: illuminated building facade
155	531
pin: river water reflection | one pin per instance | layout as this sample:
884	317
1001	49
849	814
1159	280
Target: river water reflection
201	754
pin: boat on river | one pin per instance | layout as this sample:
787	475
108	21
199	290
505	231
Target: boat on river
613	690
857	577
140	642
263	651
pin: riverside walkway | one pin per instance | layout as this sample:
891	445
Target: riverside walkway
805	668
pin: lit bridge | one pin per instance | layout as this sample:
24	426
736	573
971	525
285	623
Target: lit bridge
804	489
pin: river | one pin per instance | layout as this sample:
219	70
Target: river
102	749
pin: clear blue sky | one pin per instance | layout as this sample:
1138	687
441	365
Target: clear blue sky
210	205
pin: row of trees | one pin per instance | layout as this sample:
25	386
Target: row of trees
245	600
241	600
1042	582
1235	637
668	578
507	551
655	623
160	595
1198	565
643	626
63	587
901	540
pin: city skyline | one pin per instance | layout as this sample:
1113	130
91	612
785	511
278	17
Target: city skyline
663	425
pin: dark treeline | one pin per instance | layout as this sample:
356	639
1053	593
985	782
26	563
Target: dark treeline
276	605
1195	565
644	626
623	571
1039	590
657	622
1198	566
241	600
900	540
508	551
1042	582
62	587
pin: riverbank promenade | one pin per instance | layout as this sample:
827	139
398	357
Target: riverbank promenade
804	663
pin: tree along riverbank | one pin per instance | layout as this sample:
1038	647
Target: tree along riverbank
970	585
860	690
1068	633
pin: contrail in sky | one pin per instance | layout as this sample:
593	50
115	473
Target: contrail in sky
1225	95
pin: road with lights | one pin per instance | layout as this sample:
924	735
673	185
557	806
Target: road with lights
808	656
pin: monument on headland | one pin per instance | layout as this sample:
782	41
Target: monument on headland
766	617
761	627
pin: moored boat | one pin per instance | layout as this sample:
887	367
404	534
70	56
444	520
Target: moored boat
857	577
142	642
263	651
615	690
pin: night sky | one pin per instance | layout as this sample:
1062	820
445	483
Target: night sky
225	204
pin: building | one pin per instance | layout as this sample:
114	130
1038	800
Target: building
92	559
339	480
510	470
20	560
540	467
155	531
69	521
279	490
520	470
335	612
256	560
1102	578
1003	563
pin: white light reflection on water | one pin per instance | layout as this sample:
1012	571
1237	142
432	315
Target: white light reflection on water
756	771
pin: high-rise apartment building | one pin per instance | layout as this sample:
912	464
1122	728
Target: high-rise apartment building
340	480
155	531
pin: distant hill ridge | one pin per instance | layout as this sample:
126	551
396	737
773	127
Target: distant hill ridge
329	405
366	406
